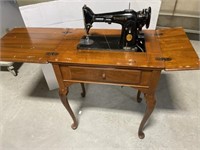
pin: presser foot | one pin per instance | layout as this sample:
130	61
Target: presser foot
86	41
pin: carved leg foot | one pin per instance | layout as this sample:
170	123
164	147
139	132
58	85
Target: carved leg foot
63	96
150	101
139	99
83	90
74	125
141	135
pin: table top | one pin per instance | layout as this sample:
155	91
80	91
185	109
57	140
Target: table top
167	49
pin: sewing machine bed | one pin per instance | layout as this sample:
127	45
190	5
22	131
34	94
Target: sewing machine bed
110	43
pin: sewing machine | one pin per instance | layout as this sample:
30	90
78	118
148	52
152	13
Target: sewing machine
131	39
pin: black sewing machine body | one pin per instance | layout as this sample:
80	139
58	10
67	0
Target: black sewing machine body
131	36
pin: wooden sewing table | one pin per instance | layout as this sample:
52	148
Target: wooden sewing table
167	49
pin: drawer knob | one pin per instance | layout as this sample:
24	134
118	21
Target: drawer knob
103	76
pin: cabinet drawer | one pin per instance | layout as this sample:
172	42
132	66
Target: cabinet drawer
107	75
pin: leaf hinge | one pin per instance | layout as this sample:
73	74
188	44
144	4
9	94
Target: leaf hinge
163	58
51	53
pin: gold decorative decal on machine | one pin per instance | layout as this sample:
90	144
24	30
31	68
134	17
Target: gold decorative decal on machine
129	37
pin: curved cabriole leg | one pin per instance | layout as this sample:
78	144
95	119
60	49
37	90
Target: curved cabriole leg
139	99
150	101
63	96
83	90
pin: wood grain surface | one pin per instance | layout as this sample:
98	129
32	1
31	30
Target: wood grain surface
175	45
30	44
38	45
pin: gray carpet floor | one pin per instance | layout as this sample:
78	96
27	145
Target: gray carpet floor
33	118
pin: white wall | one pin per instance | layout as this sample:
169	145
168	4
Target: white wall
10	16
68	13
